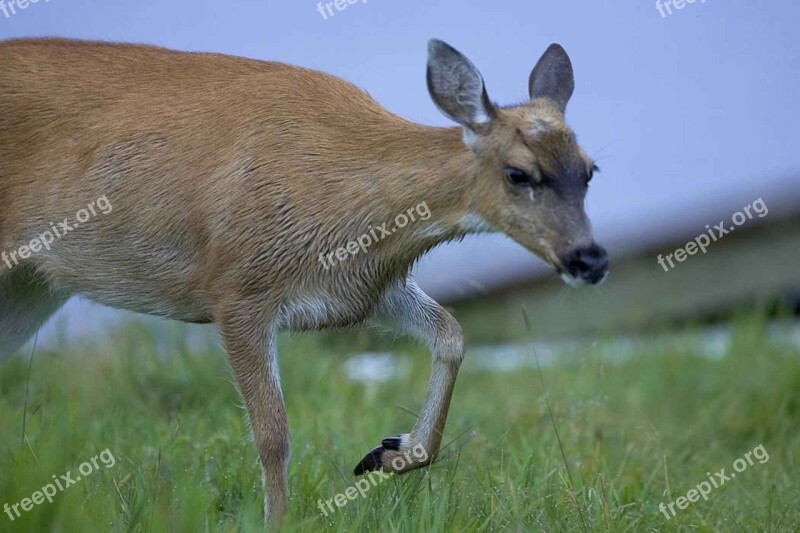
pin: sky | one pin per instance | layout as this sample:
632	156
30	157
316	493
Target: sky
691	115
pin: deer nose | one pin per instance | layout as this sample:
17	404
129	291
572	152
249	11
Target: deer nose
588	264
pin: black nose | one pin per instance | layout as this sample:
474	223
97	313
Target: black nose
589	263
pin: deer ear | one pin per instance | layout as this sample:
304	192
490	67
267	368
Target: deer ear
552	77
457	87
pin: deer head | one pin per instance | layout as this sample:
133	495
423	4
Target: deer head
529	176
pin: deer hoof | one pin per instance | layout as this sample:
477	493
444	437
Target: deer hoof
395	454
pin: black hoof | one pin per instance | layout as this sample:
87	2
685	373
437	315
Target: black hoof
371	461
392	443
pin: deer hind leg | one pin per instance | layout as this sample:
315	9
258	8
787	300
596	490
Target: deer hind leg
26	302
248	333
415	313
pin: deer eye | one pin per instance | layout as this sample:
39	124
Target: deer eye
518	177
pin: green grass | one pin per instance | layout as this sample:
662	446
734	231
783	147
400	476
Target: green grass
634	433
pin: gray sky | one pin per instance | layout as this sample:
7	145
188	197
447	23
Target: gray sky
691	116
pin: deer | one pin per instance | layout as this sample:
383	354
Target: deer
229	177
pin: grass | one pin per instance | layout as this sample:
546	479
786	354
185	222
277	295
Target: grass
635	433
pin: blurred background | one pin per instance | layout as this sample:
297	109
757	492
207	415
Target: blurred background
691	115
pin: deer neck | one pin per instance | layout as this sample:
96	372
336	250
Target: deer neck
430	166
